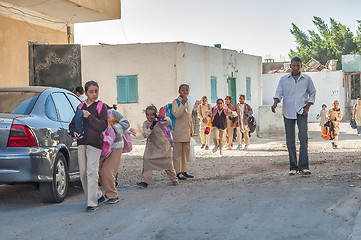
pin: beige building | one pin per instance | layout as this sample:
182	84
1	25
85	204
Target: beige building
45	22
136	75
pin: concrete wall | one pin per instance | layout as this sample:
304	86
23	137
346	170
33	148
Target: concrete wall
269	122
202	63
328	86
162	67
154	64
250	66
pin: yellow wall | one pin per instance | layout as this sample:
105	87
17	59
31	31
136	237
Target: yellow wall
109	7
14	52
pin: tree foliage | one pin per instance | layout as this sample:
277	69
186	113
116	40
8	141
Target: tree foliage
328	42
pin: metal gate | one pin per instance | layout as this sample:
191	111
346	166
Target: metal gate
55	65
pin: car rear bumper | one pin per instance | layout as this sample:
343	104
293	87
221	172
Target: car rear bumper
26	165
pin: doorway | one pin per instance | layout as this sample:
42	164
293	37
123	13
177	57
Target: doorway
232	89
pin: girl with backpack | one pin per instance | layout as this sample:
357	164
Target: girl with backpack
220	115
90	144
158	151
108	166
182	132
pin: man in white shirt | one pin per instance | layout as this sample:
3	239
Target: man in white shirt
79	91
298	93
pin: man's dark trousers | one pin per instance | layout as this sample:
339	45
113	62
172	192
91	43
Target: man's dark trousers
290	125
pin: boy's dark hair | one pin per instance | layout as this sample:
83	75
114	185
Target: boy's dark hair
80	90
151	107
244	96
220	99
296	59
90	83
229	97
324	105
204	97
182	85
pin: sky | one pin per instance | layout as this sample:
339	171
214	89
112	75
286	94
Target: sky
257	27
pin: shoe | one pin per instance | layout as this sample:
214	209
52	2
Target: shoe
358	134
101	200
187	175
305	172
334	146
215	149
91	208
207	148
292	172
142	184
229	148
245	147
202	146
175	183
239	147
180	177
112	200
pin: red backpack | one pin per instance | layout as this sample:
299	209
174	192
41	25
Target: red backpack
108	134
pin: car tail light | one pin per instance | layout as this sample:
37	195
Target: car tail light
21	136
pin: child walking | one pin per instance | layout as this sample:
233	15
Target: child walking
90	144
230	123
182	133
220	115
158	151
335	115
108	167
323	116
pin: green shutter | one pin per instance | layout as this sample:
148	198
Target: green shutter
213	89
122	89
127	88
248	88
133	89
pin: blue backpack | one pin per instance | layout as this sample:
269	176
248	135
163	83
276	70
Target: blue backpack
168	113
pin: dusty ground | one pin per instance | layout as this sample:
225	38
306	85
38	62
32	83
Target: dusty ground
241	195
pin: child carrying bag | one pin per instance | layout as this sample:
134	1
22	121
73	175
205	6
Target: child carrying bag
328	132
108	134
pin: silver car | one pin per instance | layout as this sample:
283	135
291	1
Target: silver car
34	142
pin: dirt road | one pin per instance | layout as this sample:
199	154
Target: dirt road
242	195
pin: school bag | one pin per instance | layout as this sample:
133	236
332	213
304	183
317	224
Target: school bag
79	127
168	113
167	132
127	139
328	132
108	134
353	123
251	123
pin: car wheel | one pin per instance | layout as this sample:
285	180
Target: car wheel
55	191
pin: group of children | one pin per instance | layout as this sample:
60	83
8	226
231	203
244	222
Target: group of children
224	119
168	143
165	150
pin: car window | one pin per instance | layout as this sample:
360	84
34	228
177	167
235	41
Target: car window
65	110
17	102
74	101
50	110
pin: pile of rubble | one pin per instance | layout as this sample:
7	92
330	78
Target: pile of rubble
311	66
